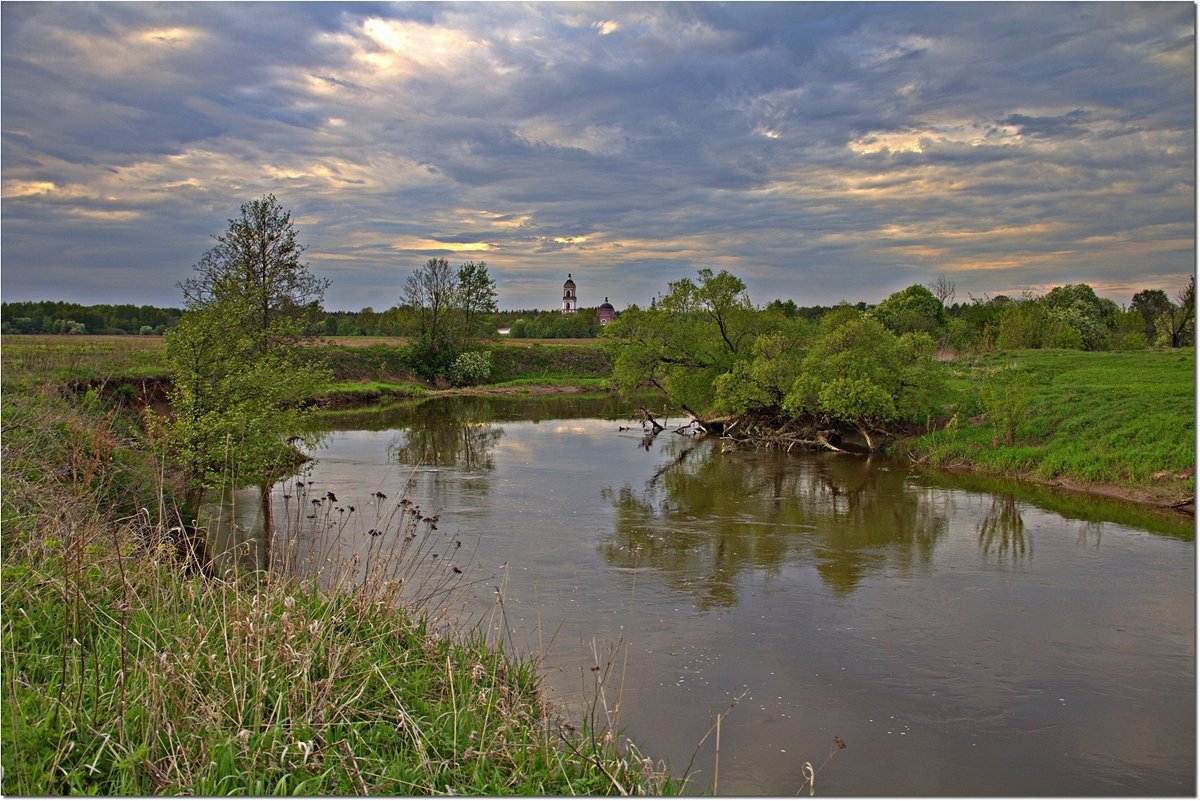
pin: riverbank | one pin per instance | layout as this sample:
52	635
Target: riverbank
129	672
1116	424
1120	425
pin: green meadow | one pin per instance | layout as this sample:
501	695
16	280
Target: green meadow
1124	419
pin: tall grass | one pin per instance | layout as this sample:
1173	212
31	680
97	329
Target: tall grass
133	666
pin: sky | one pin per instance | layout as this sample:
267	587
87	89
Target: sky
820	152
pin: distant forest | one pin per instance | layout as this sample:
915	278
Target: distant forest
1071	316
59	317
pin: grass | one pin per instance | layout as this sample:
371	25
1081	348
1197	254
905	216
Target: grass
125	677
1090	418
65	358
131	667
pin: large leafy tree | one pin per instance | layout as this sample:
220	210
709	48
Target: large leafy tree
1079	317
912	309
697	331
859	374
238	370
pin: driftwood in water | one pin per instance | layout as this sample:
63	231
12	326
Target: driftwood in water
647	417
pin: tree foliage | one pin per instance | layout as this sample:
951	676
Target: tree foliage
59	317
695	332
1177	324
858	373
431	292
447	308
476	296
1150	304
707	349
256	267
912	309
238	372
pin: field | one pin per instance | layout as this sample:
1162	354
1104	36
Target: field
1094	421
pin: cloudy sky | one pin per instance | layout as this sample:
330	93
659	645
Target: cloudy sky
819	151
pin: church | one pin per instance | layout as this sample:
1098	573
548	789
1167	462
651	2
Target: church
605	314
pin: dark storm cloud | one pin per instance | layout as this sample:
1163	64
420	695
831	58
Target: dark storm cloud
822	152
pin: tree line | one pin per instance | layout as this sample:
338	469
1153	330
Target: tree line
60	317
1070	316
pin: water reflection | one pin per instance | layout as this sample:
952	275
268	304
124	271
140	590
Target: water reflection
1002	531
453	434
231	522
706	517
1090	533
852	597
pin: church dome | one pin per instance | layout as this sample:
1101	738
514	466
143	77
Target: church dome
569	282
606	304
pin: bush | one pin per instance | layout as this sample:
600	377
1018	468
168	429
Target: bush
1133	342
1004	394
430	358
471	367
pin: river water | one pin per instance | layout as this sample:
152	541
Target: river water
960	636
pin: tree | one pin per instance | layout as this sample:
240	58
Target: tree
446	308
1076	308
257	264
1177	323
857	373
1021	323
238	372
476	295
943	289
1150	304
692	335
912	309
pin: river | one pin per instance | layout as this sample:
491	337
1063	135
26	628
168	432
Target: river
959	636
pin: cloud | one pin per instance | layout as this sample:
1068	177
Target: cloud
822	152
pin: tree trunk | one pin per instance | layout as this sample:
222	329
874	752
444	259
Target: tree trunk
866	435
268	524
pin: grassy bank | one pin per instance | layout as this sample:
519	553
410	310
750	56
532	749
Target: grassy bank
374	371
1107	422
126	670
365	369
1121	423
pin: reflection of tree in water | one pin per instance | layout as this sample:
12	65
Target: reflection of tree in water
1090	533
709	517
1002	531
448	433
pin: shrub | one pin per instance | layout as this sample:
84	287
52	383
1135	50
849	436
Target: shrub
471	367
1004	393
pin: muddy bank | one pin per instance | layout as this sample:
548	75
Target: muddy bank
1170	497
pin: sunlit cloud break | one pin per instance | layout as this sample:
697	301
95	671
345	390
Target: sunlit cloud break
820	151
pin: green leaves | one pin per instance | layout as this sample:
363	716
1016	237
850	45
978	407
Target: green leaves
694	333
858	373
238	372
707	348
